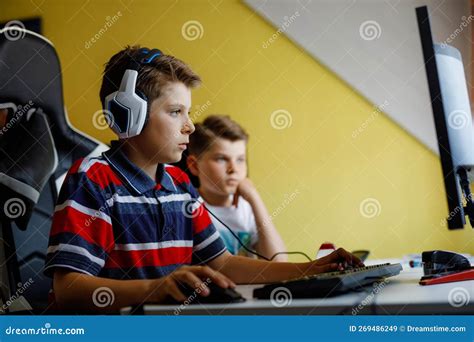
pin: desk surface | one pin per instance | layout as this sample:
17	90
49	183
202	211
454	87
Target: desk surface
399	295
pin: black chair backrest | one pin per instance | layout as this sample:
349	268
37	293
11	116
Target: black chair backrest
30	76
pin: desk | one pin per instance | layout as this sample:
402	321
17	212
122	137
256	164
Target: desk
400	295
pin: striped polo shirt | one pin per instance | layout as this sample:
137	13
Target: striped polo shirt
112	220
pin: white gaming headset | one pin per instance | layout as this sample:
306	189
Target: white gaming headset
126	110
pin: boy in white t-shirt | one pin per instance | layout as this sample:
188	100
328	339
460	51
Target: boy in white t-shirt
217	157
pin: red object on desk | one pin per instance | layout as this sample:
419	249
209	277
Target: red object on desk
325	249
458	276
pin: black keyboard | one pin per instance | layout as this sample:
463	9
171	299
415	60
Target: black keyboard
331	283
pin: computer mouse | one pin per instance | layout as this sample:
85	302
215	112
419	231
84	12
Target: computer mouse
217	295
221	295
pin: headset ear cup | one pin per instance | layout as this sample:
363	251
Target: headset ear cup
116	116
109	117
147	115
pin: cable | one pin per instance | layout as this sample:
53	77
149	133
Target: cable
294	252
232	232
248	249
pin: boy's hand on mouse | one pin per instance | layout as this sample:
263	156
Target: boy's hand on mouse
336	261
195	277
247	190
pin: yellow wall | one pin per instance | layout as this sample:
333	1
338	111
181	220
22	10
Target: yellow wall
314	174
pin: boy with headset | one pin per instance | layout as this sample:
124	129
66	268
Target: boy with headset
128	228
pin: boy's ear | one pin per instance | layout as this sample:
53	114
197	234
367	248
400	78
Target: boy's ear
192	164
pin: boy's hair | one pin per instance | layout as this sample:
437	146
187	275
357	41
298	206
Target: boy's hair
151	77
215	126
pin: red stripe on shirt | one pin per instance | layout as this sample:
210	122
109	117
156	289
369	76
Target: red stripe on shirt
178	175
201	219
75	166
153	257
92	229
102	175
98	173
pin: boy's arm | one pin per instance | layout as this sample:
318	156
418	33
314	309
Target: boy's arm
243	270
79	291
269	241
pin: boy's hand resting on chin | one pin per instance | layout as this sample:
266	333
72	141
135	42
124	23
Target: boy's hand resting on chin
247	190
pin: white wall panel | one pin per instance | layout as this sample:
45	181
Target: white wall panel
374	46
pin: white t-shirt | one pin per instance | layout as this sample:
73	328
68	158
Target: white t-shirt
242	222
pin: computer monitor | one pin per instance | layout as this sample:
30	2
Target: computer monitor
453	122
